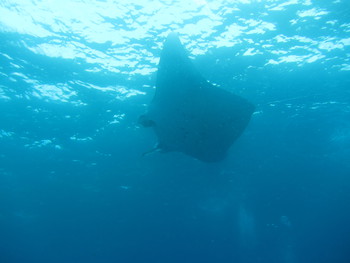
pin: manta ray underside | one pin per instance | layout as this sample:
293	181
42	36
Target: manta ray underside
190	115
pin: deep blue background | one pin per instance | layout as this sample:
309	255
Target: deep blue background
281	195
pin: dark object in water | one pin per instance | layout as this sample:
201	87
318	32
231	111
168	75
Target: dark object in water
190	115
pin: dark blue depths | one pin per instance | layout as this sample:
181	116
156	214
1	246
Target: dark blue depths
281	195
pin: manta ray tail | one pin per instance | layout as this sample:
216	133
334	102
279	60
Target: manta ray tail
156	148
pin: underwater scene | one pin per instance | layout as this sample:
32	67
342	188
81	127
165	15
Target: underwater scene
193	131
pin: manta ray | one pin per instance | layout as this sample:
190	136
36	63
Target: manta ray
189	114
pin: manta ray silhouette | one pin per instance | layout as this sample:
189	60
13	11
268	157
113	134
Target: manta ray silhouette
190	115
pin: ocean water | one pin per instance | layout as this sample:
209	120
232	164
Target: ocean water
74	184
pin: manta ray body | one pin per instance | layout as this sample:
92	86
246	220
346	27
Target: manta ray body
190	115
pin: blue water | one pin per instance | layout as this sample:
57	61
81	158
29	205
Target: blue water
74	187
